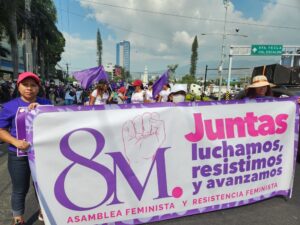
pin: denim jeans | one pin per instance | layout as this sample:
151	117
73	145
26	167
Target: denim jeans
69	101
19	171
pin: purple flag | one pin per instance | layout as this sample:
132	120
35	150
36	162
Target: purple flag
91	76
158	84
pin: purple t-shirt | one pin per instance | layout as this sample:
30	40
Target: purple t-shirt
8	114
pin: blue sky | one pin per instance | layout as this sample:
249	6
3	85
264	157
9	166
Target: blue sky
161	32
71	16
72	19
250	8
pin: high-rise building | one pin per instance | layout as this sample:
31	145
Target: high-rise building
123	55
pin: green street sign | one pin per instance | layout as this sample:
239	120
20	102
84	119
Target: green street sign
266	50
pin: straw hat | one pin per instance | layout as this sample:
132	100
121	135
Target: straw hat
260	81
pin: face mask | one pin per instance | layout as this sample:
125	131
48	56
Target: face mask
178	98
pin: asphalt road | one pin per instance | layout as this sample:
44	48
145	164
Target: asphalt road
274	211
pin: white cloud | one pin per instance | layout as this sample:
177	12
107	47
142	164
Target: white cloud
162	47
81	54
182	37
159	40
78	50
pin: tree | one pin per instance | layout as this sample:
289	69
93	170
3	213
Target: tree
125	75
99	48
8	23
194	57
188	79
48	40
4	52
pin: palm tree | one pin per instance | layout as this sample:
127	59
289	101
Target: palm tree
8	21
48	40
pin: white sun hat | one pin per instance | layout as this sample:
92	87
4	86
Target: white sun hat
179	87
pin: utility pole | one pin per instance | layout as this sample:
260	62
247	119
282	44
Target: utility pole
67	75
28	45
220	69
204	84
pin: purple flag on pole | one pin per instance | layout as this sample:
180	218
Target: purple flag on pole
158	85
91	76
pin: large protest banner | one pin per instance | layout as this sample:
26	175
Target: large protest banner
132	164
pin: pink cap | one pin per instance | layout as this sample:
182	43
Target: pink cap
25	75
137	83
122	90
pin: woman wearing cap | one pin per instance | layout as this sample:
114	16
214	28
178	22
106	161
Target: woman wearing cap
139	94
28	86
100	95
259	88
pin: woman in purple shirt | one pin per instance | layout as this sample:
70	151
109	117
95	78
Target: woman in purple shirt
28	86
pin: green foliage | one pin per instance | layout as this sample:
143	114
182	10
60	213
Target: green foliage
188	79
125	75
8	25
99	48
194	57
50	40
189	97
8	16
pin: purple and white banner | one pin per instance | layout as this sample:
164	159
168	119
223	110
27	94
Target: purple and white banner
21	134
132	164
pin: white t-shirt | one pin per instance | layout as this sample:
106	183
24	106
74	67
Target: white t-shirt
149	96
99	100
78	96
164	95
120	101
137	97
68	96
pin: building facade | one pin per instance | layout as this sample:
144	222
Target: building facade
109	67
6	65
123	55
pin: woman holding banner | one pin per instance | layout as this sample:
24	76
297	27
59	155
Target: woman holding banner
259	88
164	93
28	86
139	95
100	95
149	93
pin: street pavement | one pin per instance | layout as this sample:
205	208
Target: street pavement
274	211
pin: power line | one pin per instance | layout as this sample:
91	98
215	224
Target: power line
68	16
61	19
191	17
280	3
118	27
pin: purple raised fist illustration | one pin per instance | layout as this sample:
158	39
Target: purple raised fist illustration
142	136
